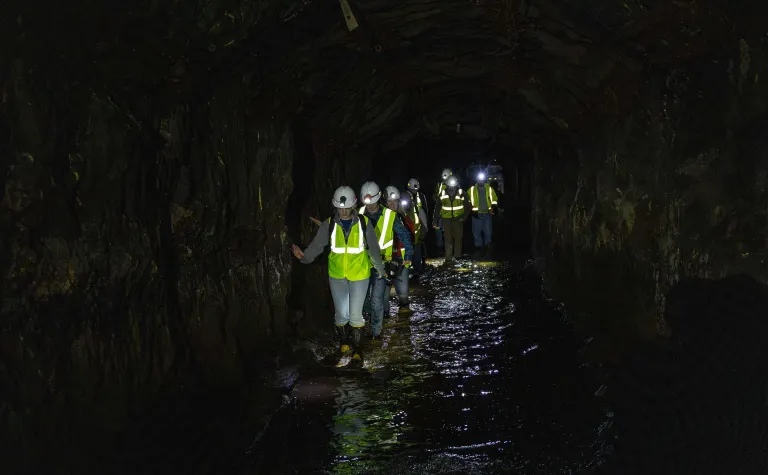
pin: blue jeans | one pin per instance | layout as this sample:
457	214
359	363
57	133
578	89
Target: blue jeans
348	297
378	287
439	234
482	229
401	289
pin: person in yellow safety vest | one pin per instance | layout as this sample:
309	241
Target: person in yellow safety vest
354	247
418	210
387	224
401	273
447	173
453	208
483	198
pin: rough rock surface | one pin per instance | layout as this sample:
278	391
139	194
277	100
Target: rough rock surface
159	158
696	404
675	187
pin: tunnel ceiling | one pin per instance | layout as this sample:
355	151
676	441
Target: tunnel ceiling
409	68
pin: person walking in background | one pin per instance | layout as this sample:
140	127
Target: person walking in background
387	224
454	209
401	265
418	210
483	198
447	173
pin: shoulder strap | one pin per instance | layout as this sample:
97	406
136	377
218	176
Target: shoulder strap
364	228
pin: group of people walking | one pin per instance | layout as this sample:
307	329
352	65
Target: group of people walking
378	242
453	207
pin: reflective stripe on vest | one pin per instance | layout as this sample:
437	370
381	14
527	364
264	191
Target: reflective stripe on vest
415	212
455	205
490	197
348	259
385	231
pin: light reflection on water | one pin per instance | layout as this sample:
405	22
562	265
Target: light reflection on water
475	380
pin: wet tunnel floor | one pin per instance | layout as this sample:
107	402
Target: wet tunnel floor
484	377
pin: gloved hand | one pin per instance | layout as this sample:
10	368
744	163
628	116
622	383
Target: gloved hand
407	264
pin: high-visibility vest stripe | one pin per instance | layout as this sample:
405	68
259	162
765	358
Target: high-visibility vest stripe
474	198
385	231
448	205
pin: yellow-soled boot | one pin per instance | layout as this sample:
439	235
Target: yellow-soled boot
357	348
343	336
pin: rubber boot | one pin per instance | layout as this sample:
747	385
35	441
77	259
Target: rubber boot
357	348
404	309
342	335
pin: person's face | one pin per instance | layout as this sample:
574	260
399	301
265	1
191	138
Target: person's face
345	213
372	207
392	204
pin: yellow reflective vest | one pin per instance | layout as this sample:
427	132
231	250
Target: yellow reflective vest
452	208
490	197
414	213
348	258
385	231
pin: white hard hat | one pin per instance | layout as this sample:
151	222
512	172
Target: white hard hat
446	173
344	197
392	193
413	184
370	192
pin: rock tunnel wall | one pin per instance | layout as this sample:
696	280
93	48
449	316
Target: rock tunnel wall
675	188
136	252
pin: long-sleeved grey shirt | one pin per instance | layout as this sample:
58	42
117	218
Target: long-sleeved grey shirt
452	194
323	238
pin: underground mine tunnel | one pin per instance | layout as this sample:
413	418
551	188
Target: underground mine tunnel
161	158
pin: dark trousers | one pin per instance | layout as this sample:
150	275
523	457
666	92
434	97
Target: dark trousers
418	257
454	233
439	233
482	230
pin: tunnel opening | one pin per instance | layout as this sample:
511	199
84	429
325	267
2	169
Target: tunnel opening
425	157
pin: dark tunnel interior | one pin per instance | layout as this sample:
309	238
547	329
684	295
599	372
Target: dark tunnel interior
161	159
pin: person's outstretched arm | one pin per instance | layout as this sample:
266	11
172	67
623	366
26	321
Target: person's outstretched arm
316	247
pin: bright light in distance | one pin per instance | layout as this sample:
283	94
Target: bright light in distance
481	176
452	182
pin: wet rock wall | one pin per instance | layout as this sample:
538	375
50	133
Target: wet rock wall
674	187
139	249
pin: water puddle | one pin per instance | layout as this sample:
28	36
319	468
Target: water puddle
483	377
